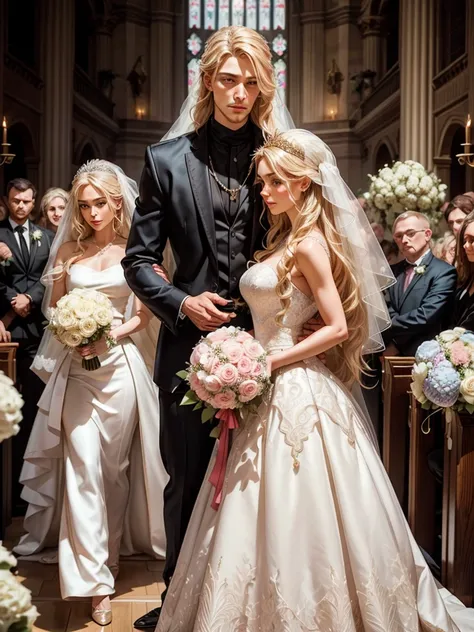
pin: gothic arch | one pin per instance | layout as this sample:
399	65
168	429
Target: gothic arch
447	135
384	153
87	150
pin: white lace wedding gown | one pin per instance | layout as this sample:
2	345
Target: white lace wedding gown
309	535
93	475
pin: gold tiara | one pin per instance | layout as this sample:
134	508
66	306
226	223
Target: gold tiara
277	140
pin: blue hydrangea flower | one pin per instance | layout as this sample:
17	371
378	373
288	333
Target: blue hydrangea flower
468	337
442	385
427	351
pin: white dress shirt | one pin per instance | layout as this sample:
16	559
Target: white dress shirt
26	232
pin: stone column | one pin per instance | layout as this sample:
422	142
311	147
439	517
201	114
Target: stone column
374	57
470	52
161	64
104	28
416	73
57	36
313	63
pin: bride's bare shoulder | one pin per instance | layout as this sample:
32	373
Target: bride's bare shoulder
307	244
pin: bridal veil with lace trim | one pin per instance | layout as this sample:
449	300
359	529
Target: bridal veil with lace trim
309	535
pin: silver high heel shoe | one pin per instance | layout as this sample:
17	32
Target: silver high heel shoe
101	616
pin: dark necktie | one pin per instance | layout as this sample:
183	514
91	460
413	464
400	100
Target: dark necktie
23	247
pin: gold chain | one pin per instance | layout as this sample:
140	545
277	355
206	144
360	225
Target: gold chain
232	192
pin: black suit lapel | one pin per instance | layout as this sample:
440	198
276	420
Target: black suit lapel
196	164
34	245
417	278
12	244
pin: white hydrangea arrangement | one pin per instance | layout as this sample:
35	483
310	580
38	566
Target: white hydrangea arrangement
17	614
405	186
11	403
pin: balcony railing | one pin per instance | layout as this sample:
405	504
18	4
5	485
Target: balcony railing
388	85
84	86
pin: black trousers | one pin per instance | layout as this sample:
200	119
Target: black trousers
186	449
31	388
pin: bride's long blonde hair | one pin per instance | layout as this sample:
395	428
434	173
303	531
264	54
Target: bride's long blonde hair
315	213
107	185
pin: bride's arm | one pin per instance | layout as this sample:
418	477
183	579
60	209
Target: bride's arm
313	263
59	286
138	322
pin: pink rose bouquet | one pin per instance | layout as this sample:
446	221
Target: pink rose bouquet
227	371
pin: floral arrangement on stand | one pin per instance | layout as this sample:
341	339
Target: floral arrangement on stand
405	186
17	614
443	374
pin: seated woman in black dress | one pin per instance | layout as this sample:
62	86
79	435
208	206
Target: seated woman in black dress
463	312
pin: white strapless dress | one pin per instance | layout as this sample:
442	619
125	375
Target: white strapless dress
93	476
309	535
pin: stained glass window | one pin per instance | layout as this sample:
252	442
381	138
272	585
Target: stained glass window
210	15
266	16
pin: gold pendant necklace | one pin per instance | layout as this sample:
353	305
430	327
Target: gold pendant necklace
232	192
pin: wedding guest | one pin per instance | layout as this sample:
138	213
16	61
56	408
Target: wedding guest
458	208
92	461
447	248
419	301
470	194
20	303
463	312
52	208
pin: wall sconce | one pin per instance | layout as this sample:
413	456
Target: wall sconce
5	157
467	157
140	113
332	114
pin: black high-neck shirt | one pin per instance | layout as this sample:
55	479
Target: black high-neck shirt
231	155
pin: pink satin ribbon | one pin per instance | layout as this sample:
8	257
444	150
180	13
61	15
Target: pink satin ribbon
229	422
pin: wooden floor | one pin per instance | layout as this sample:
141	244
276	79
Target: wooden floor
138	589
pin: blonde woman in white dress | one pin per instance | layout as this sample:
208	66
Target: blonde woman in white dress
93	476
309	536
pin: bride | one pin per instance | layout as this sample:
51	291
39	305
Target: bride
309	535
92	474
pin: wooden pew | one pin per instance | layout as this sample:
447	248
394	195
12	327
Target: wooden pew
8	366
396	387
457	553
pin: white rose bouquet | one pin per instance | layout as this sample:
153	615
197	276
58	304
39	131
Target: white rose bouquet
11	404
16	611
405	186
80	318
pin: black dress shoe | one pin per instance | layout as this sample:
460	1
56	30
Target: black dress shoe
149	620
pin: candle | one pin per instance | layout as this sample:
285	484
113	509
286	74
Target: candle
468	130
4	131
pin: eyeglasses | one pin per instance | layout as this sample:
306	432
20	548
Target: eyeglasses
409	233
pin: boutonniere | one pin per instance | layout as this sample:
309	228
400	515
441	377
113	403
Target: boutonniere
420	270
36	236
6	262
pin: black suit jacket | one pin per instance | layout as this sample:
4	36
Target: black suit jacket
421	312
175	203
18	278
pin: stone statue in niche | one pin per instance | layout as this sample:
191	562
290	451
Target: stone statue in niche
335	79
137	78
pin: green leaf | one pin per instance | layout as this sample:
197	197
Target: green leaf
207	414
198	406
426	405
182	374
215	433
189	399
469	408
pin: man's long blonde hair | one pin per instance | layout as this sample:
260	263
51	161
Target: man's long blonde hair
316	213
237	41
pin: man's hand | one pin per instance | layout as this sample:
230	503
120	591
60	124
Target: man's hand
5	252
21	304
5	335
162	272
202	311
